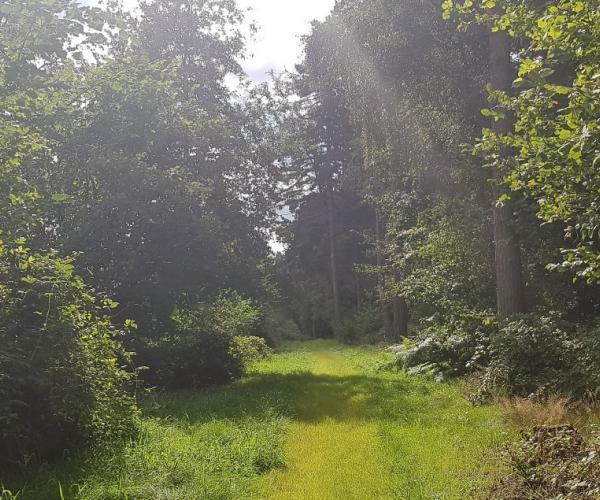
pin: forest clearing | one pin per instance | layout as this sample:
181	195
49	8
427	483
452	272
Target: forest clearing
299	249
316	421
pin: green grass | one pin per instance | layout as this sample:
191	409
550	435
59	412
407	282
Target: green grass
316	421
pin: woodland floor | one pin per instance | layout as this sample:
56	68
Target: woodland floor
317	421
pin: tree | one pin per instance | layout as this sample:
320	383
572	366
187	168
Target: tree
413	88
509	280
62	376
172	194
556	134
325	153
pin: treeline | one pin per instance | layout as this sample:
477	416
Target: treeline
450	187
137	201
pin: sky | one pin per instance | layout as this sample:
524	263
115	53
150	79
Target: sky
277	45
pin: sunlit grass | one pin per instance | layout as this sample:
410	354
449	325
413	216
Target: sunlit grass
364	433
316	421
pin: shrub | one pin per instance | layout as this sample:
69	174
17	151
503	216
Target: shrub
198	351
446	351
62	383
250	348
231	314
530	356
363	327
276	326
536	355
553	463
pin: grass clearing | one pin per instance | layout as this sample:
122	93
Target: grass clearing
316	421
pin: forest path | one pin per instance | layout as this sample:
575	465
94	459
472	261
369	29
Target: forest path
357	432
333	450
315	421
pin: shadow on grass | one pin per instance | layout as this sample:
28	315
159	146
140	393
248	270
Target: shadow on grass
307	397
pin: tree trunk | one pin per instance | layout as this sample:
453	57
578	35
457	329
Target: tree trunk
510	294
400	319
395	311
333	257
388	319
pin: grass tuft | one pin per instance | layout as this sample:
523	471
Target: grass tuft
526	413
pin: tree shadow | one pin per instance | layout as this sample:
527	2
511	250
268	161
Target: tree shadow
307	397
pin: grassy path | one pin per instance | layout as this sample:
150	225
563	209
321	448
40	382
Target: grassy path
317	421
360	433
332	452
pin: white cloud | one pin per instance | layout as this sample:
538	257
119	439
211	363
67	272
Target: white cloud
281	23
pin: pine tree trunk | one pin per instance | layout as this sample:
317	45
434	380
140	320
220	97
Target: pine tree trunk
509	279
333	257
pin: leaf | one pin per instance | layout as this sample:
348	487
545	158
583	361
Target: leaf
60	197
561	89
564	134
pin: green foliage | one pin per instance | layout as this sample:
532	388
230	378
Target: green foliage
363	327
234	315
276	326
447	350
541	356
445	262
62	377
555	105
249	348
200	350
64	380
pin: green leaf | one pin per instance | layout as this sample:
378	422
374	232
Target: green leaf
60	197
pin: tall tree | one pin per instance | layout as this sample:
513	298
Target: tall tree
402	73
509	279
327	152
555	138
173	193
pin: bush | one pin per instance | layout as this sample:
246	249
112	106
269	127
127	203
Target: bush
276	327
231	314
540	356
446	351
553	463
248	349
62	384
199	350
363	327
530	356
